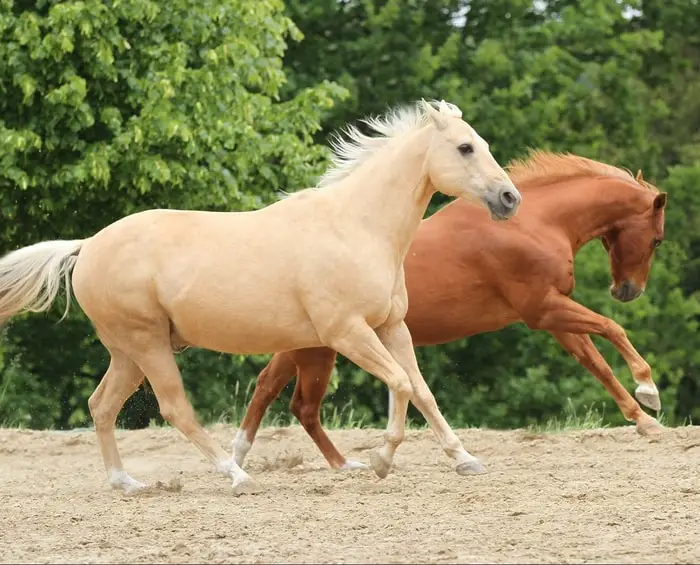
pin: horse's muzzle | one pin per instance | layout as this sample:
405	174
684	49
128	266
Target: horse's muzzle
505	205
626	292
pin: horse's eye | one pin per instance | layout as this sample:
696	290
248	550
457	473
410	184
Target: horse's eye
466	148
657	242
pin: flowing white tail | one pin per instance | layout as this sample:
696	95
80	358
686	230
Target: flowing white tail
30	277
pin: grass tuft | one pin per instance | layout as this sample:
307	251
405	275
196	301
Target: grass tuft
572	420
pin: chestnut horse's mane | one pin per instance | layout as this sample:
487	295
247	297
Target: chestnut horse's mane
546	166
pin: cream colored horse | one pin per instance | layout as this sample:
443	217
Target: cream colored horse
321	267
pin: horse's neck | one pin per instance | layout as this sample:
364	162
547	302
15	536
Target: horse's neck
587	208
391	192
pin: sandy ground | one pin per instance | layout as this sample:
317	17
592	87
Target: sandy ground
592	496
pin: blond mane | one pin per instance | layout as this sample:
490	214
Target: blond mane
550	167
353	150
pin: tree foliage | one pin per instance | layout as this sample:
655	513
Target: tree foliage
108	108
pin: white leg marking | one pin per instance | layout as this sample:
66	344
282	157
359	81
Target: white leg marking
243	483
241	446
351	465
120	479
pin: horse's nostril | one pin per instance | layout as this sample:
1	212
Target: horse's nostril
508	198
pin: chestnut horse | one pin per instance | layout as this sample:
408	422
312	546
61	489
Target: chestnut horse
323	267
466	275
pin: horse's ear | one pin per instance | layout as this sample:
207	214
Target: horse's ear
449	109
660	201
435	116
639	177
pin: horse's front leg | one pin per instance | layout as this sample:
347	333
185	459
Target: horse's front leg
271	380
560	314
357	341
581	347
315	366
398	342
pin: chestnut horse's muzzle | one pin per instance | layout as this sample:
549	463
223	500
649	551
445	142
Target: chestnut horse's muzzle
505	205
626	292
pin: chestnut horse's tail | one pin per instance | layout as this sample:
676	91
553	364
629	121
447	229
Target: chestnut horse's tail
30	277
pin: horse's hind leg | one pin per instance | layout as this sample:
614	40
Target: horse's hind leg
161	370
314	372
121	380
271	380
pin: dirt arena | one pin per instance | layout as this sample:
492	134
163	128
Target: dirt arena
598	496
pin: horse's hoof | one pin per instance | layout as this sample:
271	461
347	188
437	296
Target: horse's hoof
245	486
351	465
120	480
133	487
473	467
648	396
649	428
379	464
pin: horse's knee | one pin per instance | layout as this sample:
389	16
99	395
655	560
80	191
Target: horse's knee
265	394
100	416
309	415
304	411
402	388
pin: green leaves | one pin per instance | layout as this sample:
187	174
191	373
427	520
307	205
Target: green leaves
141	98
111	108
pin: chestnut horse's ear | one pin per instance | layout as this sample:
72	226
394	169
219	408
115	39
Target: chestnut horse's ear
660	201
639	177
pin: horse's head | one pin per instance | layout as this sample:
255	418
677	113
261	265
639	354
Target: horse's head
630	244
460	164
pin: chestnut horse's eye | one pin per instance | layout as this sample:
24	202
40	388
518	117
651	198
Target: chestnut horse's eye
466	148
656	242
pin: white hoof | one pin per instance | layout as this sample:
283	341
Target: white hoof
649	396
245	485
351	465
470	467
121	480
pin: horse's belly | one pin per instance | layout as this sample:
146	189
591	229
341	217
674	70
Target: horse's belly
231	332
247	318
433	323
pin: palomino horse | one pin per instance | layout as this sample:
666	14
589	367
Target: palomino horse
466	275
323	267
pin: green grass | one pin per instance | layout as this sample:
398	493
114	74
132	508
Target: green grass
332	417
345	417
571	420
7	422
